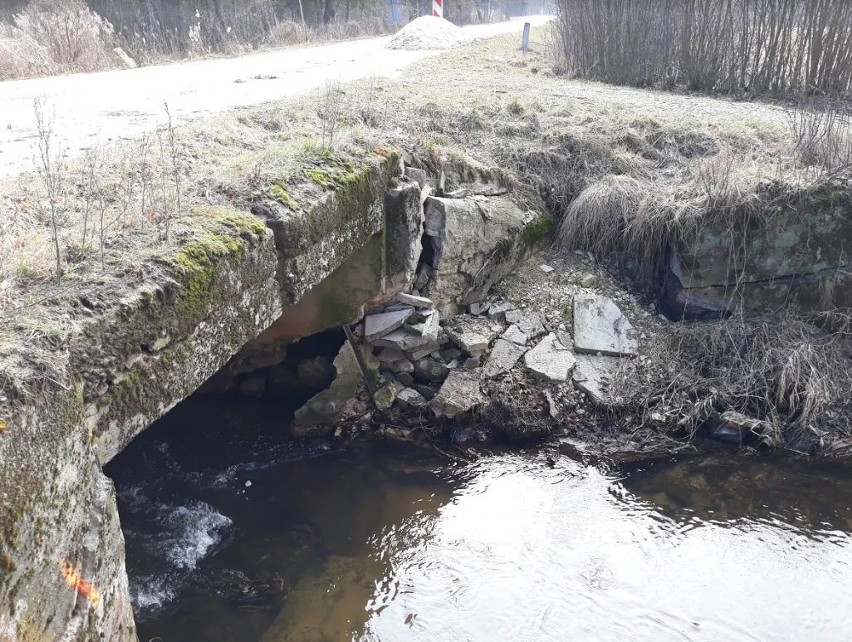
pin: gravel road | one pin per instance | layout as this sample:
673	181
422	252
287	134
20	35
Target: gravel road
93	109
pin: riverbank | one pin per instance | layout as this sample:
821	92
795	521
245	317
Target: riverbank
527	363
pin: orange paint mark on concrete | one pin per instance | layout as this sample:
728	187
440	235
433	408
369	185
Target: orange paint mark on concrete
75	581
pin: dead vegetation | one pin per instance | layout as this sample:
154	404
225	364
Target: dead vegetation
54	37
782	47
790	374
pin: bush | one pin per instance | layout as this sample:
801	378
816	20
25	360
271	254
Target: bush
734	46
53	37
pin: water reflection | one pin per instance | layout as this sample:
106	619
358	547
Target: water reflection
387	543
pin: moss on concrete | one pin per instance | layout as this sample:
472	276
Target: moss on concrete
541	229
223	235
279	193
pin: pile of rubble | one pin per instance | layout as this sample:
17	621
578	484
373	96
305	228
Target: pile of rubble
425	365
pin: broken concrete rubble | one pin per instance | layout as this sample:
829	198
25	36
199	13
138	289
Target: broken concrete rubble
503	357
405	340
472	334
378	325
550	359
593	374
409	398
430	370
415	301
497	311
600	327
528	322
458	395
478	307
424	325
515	335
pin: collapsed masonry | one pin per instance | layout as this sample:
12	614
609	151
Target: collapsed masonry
421	365
448	239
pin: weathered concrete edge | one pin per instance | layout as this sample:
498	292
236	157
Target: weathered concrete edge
127	367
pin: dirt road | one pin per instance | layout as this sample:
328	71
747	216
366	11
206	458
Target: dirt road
92	109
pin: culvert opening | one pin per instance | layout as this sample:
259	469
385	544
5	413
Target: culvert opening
291	374
184	489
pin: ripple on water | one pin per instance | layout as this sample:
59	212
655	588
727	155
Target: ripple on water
175	540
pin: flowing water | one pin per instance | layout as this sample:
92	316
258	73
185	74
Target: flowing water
234	532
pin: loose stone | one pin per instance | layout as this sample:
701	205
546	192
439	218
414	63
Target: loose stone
600	327
550	359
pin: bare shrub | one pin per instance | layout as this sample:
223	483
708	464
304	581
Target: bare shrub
21	55
329	112
822	135
175	165
57	36
50	165
287	32
735	46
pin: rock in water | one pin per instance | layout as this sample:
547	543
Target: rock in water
600	327
385	397
550	359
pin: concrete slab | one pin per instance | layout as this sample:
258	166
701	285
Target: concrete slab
378	325
601	327
515	335
593	374
459	394
503	357
550	359
414	300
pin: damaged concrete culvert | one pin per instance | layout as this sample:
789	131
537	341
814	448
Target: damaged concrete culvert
432	255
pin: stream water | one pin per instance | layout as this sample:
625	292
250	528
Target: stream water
235	532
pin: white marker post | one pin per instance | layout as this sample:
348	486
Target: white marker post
438	8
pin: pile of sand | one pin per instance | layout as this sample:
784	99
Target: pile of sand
429	32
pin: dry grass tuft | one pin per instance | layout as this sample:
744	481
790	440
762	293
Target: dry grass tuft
778	368
600	215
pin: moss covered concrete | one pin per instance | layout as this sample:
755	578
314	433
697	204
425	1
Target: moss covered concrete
346	199
794	251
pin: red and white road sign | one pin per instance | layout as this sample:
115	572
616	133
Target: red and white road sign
438	8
